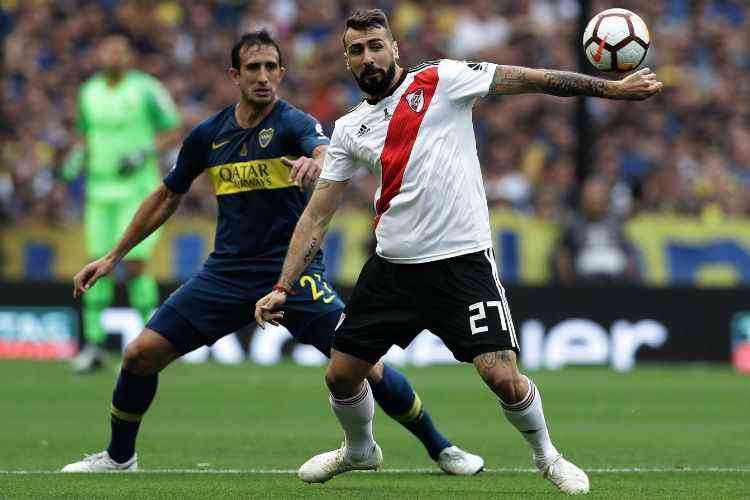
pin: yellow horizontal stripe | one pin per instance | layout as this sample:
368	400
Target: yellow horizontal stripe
413	413
239	177
123	415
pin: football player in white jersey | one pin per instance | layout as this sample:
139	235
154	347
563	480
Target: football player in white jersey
434	267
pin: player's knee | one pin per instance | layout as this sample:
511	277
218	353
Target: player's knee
139	359
376	373
341	383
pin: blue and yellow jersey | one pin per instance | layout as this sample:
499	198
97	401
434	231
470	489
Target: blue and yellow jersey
258	204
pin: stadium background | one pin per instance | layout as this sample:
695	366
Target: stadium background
676	168
677	171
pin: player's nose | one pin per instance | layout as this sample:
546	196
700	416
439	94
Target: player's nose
368	58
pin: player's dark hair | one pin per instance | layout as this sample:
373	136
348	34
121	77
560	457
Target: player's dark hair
261	37
363	20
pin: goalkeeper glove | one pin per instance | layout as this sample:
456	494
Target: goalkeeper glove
130	163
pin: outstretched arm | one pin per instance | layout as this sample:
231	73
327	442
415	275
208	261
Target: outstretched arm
152	213
519	80
306	240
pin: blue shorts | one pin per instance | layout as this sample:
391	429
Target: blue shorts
217	302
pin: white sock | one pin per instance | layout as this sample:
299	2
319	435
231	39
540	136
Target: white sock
355	415
527	416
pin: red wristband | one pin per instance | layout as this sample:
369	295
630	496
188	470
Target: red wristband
281	288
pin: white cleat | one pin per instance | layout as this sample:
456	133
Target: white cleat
565	475
90	359
101	462
454	460
323	467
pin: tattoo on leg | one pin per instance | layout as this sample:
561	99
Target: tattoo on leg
489	359
505	358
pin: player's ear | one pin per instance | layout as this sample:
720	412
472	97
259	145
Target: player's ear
282	72
395	50
234	74
346	61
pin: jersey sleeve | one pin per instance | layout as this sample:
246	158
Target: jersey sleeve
161	107
466	80
308	133
190	162
339	165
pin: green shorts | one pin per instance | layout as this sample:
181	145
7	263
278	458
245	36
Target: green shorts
105	223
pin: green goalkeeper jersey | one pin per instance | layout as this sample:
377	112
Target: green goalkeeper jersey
120	121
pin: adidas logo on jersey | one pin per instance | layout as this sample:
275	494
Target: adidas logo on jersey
387	116
364	129
415	100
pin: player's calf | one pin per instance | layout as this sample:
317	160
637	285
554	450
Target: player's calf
521	403
500	372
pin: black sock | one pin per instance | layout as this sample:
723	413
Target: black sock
130	400
396	397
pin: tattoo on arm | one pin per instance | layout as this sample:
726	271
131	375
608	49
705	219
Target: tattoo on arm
518	80
565	84
311	250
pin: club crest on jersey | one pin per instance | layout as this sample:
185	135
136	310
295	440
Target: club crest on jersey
415	100
265	136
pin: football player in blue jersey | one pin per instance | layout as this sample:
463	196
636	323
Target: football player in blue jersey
260	154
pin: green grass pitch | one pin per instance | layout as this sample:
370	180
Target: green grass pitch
240	432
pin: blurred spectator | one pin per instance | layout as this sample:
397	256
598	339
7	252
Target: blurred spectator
593	247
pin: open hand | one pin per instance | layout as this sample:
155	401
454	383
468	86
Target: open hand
267	308
640	85
86	277
304	171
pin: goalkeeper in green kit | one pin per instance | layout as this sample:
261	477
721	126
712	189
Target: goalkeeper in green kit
121	111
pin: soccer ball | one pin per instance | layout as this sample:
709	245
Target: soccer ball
616	40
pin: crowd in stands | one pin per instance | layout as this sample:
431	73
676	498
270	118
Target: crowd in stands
685	151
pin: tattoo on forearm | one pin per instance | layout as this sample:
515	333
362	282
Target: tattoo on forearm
311	250
516	80
566	84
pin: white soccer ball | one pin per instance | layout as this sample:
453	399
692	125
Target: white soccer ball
616	40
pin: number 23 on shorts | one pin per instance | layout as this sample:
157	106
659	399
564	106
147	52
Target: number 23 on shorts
318	287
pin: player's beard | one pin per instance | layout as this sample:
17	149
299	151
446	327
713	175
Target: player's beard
377	88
